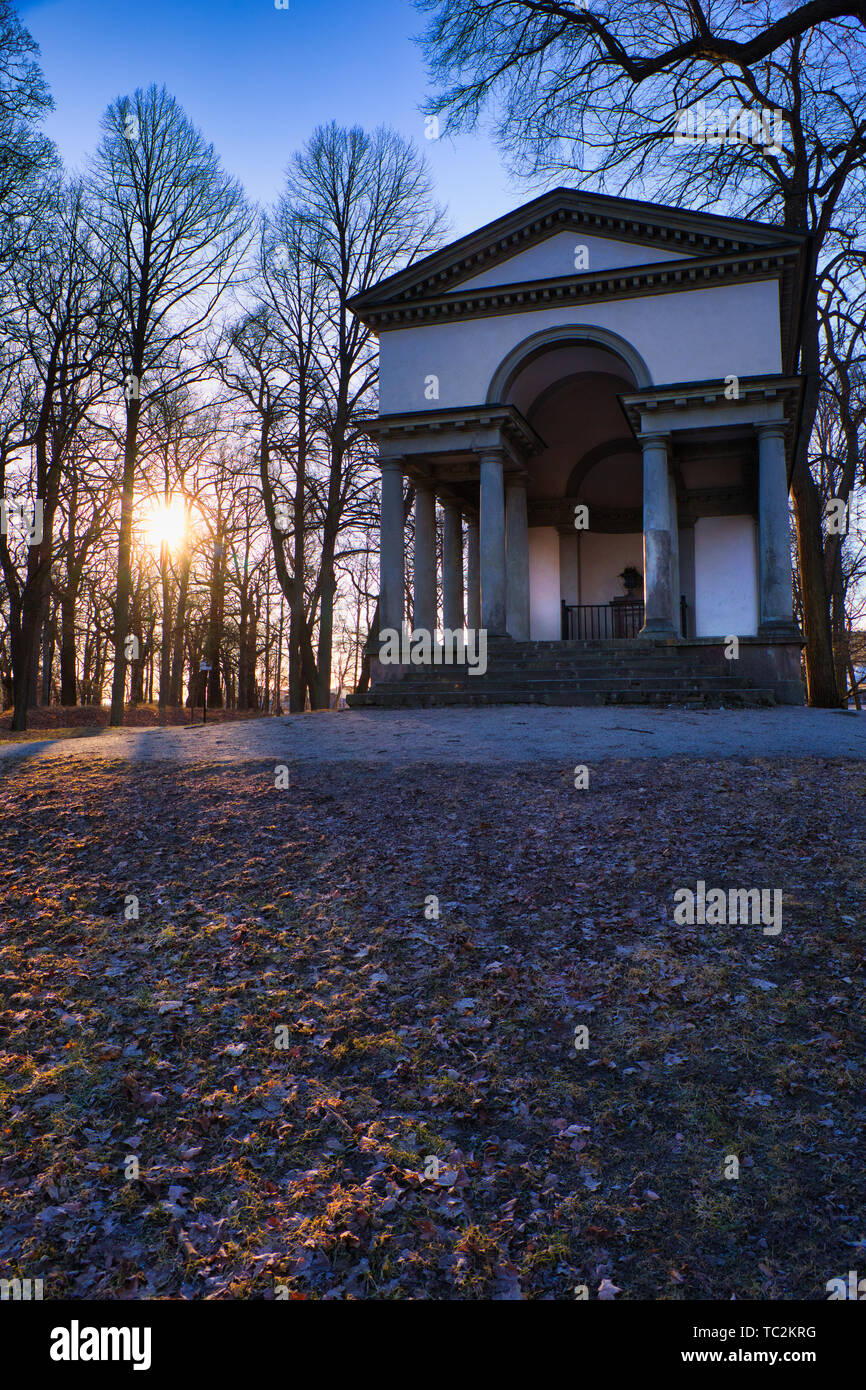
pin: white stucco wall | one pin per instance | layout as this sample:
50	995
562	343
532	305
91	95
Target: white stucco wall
545	610
603	556
569	587
687	574
694	335
726	576
556	256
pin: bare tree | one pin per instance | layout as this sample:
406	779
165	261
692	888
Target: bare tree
550	61
270	372
27	157
368	199
839	436
176	228
576	89
62	314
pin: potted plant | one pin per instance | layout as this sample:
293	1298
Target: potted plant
632	579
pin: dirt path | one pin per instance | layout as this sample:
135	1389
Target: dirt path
485	736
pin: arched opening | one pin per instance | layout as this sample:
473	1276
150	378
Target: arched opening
568	389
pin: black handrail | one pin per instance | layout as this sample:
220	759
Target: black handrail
615	621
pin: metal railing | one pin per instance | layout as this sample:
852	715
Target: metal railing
608	621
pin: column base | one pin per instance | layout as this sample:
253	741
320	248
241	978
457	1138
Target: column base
783	628
657	627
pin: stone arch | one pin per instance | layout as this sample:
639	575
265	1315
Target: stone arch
560	336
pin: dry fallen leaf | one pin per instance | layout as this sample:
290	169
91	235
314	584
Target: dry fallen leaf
607	1290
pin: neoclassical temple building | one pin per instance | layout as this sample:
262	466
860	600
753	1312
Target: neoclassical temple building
599	398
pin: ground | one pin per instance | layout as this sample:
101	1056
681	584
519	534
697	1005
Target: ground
517	734
78	721
332	1092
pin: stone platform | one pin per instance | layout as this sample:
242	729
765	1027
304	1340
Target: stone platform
639	671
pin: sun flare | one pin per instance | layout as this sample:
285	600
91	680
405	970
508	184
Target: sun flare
165	523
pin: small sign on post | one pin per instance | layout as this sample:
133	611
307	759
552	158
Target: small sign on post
204	667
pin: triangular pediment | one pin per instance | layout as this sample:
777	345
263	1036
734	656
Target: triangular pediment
574	252
541	241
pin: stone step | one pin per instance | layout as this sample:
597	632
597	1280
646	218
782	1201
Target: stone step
397	697
561	670
602	671
492	688
605	644
438	674
660	660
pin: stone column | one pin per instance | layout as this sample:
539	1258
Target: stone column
517	560
391	571
676	615
493	613
473	575
774	544
425	558
452	566
657	539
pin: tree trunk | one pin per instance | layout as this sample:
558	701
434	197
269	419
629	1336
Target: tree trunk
165	645
49	631
252	638
841	654
136	682
68	685
821	688
854	687
176	695
24	645
243	668
278	684
68	597
267	684
124	557
99	670
326	624
215	624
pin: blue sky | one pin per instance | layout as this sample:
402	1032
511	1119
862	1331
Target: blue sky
257	80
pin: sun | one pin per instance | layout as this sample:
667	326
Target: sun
164	523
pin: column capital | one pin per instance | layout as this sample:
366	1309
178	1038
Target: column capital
658	438
391	464
771	429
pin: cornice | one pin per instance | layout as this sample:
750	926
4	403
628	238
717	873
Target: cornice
658	277
432	426
565	209
686	395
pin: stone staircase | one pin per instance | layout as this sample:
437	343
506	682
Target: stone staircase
632	672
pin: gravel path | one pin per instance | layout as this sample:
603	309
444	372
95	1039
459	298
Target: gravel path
517	734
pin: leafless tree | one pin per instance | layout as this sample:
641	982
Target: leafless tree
176	229
62	316
577	89
368	199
